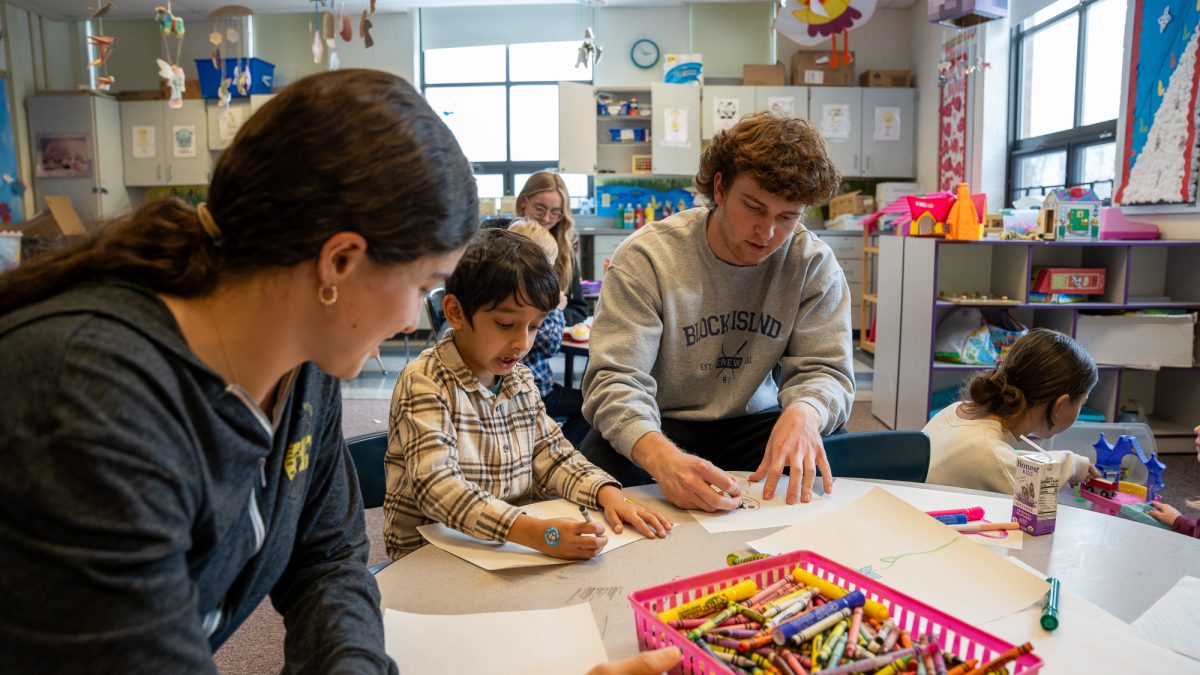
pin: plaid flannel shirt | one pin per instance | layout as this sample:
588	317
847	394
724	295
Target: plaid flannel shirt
460	455
545	346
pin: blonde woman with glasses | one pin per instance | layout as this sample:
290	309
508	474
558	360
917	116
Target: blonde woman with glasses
544	200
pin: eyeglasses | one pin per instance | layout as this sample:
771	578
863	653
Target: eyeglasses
541	211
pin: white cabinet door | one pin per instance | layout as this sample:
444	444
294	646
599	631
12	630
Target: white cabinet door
889	132
721	106
837	114
223	122
576	128
144	143
790	100
188	158
675	141
110	161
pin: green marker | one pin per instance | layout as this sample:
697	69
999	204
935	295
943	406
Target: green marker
1050	606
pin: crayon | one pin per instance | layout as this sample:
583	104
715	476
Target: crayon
1003	659
710	603
971	512
939	662
767	590
832	591
587	515
831	640
806	634
785	631
793	662
778	607
986	527
1049	619
731	608
877	662
817	641
839	648
855	624
896	667
962	668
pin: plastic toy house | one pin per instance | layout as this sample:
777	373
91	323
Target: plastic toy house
1109	495
929	214
1071	214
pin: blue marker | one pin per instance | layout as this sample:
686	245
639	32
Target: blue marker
953	518
784	632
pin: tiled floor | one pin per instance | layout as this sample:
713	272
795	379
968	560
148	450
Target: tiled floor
374	384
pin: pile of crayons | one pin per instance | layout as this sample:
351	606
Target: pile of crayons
805	624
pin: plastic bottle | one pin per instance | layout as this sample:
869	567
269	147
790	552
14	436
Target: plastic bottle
639	216
682	206
633	105
628	216
620	213
649	212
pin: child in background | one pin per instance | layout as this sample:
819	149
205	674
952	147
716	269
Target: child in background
560	402
1169	515
468	435
1036	391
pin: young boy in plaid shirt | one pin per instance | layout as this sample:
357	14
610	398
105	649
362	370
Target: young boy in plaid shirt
469	437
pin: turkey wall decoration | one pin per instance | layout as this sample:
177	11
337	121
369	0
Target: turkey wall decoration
810	22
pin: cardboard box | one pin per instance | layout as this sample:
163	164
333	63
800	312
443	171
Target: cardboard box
191	89
852	203
965	13
886	78
764	75
1139	340
1035	494
812	69
52	228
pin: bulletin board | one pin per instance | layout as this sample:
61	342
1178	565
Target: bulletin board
1158	154
10	203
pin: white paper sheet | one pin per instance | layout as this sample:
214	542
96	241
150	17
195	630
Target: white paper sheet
726	113
885	538
1174	621
143	142
494	556
887	123
784	105
183	140
675	127
835	121
563	640
1088	639
778	513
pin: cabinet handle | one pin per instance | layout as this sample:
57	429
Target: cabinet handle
856	162
868	167
158	172
168	172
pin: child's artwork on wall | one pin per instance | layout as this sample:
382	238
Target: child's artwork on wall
952	112
64	155
1159	155
183	140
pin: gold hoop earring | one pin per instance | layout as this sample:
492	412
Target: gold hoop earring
327	301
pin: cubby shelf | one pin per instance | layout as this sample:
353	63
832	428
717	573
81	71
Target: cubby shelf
1138	275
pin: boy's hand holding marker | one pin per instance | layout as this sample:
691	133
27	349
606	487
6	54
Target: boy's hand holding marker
567	538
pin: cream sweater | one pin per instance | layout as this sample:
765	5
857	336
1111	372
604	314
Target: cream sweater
981	454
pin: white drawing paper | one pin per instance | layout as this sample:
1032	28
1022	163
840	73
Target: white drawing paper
726	112
835	121
563	640
887	123
143	142
183	140
883	537
784	105
229	120
1174	621
492	555
675	127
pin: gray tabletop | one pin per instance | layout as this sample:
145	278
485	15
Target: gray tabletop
1120	565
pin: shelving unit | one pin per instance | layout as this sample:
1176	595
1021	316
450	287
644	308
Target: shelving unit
1139	275
869	299
585	142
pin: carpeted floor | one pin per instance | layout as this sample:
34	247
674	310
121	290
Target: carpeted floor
257	647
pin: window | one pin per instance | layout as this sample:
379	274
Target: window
1066	97
501	102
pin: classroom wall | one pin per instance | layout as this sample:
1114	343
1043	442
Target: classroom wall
732	34
925	42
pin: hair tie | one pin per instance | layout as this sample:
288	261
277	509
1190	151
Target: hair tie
207	223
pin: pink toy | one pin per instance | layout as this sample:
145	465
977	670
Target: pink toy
1114	225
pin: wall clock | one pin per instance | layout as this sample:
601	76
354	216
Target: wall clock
644	53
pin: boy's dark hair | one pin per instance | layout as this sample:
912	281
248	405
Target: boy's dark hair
499	263
1040	367
786	156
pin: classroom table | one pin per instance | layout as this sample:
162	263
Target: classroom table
1121	566
570	349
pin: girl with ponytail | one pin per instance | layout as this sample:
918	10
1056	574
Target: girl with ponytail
1037	390
171	429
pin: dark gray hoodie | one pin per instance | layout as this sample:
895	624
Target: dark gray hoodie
146	509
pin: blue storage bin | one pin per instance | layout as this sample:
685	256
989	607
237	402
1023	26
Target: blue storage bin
262	75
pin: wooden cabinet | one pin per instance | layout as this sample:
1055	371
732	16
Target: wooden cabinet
79	127
586	144
165	146
1139	275
870	131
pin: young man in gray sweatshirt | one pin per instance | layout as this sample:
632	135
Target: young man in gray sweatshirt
697	309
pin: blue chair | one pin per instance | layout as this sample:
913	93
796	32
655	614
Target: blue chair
882	455
368	452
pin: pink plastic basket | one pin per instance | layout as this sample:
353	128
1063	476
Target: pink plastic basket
912	615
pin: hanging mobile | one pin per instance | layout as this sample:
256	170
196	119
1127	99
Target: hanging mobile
171	26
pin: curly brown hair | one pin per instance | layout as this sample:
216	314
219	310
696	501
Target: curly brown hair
784	155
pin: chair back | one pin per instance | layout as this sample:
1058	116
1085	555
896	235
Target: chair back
884	455
368	452
433	307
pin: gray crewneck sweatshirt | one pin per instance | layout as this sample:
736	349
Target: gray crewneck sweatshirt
681	334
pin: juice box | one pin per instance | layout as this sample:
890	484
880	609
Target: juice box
1035	494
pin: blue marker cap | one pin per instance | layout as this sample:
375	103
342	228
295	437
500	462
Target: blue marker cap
953	518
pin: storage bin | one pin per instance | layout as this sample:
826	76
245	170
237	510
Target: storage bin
262	76
956	637
617	135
